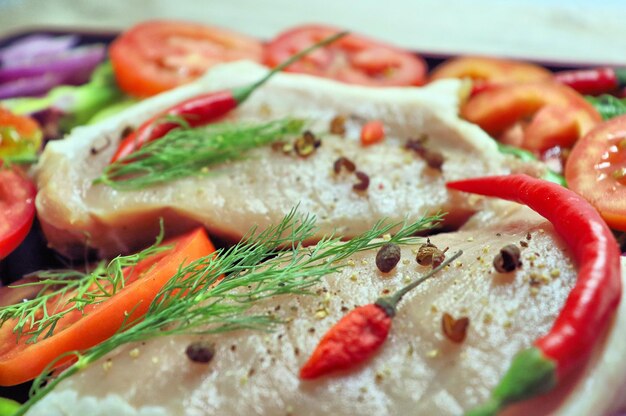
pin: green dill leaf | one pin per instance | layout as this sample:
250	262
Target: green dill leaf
607	105
217	293
185	152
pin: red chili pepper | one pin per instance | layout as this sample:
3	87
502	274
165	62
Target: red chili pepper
359	334
589	306
204	108
593	81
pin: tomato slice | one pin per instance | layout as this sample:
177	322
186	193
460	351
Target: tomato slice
353	59
155	56
17	209
596	169
19	135
21	361
550	114
487	72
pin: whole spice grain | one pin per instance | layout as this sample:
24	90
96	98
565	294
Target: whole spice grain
345	163
201	352
338	125
508	259
306	144
454	329
363	183
433	159
429	254
387	257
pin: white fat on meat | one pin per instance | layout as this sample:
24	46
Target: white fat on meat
263	188
418	371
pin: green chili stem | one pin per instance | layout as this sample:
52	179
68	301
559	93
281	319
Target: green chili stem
389	303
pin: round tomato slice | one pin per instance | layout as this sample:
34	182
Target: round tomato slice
17	209
596	169
549	114
21	361
155	56
490	71
353	59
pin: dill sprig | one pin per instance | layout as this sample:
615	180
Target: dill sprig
186	151
62	292
216	293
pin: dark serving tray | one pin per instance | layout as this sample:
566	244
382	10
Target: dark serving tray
34	255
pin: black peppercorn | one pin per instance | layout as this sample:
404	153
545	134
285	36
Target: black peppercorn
200	352
508	259
387	257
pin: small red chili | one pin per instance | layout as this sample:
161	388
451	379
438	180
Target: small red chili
589	306
204	108
593	81
360	333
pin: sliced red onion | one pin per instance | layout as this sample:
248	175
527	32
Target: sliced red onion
29	87
72	67
34	46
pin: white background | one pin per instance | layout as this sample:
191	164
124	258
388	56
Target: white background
573	30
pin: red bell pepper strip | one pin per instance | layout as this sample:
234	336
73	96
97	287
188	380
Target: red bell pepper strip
204	108
593	81
589	306
359	334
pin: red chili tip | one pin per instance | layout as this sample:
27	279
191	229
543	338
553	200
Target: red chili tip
351	341
465	185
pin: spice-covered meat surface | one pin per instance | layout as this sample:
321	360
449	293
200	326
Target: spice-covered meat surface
401	176
419	370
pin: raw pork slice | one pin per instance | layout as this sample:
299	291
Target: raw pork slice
263	188
418	370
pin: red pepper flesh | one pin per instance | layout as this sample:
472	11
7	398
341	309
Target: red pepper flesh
593	81
597	293
353	340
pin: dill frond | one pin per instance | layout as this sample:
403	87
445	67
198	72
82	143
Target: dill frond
185	152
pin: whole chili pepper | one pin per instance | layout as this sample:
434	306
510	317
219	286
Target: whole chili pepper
593	81
359	334
204	108
590	304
